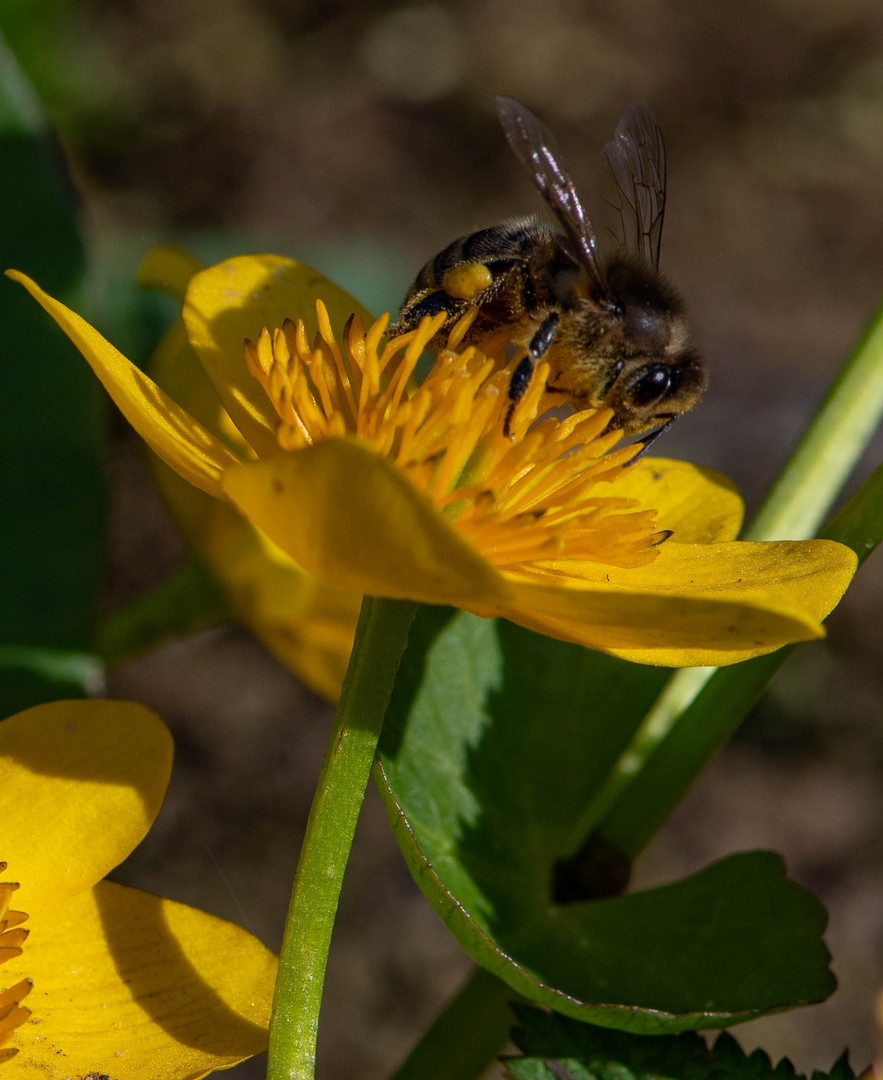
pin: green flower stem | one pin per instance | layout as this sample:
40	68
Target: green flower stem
827	452
700	708
466	1036
669	765
381	636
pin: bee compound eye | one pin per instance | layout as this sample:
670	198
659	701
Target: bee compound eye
653	385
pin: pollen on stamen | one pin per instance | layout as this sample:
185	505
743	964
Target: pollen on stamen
535	489
12	936
461	328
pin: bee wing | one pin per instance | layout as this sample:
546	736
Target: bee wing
537	149
634	185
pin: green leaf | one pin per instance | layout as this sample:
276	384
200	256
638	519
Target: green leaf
556	1048
494	741
49	45
29	673
52	501
468	1034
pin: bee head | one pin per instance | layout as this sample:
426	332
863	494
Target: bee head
645	395
653	371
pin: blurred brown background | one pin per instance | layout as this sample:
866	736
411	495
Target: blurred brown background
362	138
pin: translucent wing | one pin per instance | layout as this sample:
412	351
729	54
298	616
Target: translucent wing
634	185
537	149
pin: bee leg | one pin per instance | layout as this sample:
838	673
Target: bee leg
520	379
517	385
544	337
521	376
649	440
467	281
429	305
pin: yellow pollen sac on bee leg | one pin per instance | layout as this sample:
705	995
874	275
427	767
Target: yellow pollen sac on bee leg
466	281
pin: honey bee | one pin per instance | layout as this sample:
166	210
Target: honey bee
612	328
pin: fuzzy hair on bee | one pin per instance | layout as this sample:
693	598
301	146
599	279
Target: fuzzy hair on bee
614	331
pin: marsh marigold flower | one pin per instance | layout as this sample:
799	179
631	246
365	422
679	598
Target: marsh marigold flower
308	625
125	984
382	484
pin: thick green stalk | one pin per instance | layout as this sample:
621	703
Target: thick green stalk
706	723
381	636
700	708
830	447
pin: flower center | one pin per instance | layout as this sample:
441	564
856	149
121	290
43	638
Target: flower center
542	492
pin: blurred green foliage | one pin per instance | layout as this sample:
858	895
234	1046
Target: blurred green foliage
52	498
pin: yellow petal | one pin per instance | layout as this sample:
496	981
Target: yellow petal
696	605
130	986
698	505
354	521
305	624
82	782
176	369
235	300
308	626
171	432
317	646
168	269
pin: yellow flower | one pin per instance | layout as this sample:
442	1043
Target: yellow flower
125	984
376	485
309	626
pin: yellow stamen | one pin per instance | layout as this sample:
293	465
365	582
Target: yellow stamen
521	499
12	937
